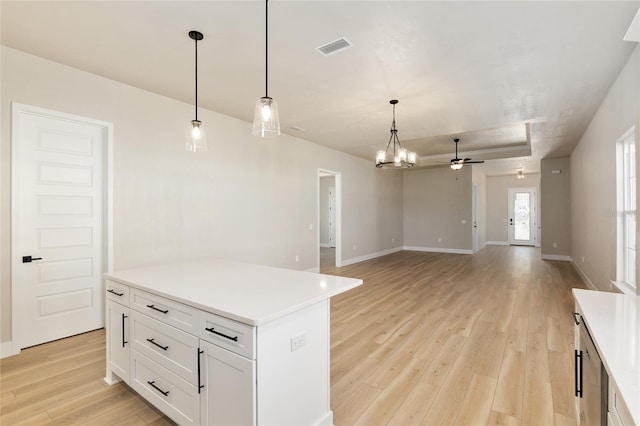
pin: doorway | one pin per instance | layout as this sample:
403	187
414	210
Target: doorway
329	229
522	216
60	224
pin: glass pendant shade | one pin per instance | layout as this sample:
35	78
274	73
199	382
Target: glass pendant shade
265	119
456	166
196	137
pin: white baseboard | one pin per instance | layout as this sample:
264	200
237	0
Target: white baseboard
481	246
6	349
497	243
438	250
370	256
316	270
325	245
556	257
584	277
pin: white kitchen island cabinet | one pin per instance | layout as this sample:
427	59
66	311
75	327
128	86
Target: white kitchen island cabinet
224	343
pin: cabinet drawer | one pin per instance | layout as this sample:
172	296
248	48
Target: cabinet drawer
232	335
174	313
172	348
117	292
173	396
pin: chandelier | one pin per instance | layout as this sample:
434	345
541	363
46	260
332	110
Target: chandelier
395	156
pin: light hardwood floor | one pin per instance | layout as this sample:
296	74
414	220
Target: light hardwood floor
428	339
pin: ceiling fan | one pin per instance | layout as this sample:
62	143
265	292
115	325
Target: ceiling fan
457	163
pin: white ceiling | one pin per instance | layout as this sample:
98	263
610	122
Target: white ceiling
508	78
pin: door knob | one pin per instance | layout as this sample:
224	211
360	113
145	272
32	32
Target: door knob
29	259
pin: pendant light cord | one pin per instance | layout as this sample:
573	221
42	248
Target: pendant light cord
266	49
196	104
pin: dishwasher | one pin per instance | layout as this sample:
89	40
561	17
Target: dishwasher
592	381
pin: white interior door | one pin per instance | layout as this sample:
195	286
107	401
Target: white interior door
522	216
332	217
58	253
475	218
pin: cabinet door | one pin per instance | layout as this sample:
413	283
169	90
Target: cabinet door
228	396
118	340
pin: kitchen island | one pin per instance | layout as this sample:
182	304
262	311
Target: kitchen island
221	342
613	323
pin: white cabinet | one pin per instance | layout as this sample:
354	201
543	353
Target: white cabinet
117	325
228	396
222	343
618	414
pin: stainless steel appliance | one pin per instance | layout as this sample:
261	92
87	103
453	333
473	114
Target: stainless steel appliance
592	381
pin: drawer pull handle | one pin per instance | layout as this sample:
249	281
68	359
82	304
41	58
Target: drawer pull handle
576	318
200	385
164	348
211	330
112	291
165	393
158	309
578	372
124	342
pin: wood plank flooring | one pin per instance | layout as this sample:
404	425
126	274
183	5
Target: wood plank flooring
435	339
428	339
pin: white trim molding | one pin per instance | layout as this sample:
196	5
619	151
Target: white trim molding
325	245
439	250
623	288
556	257
584	276
6	349
370	256
497	243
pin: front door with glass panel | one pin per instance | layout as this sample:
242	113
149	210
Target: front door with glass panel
522	216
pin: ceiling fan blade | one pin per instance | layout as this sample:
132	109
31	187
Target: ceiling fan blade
473	162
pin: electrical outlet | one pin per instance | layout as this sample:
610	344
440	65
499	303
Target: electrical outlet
297	258
555	245
393	240
354	247
311	227
298	341
439	239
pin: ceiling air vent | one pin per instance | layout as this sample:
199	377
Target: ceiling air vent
334	46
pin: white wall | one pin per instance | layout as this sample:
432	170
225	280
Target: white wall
498	204
436	201
247	198
593	177
555	208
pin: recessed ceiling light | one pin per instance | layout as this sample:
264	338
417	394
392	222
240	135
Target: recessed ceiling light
334	46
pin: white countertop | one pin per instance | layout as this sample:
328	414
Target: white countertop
614	324
251	294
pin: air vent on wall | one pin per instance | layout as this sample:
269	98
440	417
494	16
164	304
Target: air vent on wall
334	46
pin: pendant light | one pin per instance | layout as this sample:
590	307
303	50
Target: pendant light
265	119
398	158
196	135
